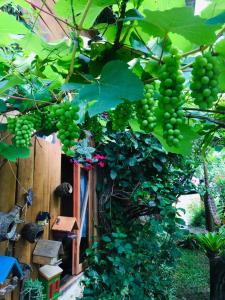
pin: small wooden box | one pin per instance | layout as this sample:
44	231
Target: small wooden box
47	252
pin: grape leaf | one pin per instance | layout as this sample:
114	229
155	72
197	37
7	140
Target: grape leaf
220	19
9	25
181	21
214	8
12	152
63	9
10	82
162	4
116	83
3	106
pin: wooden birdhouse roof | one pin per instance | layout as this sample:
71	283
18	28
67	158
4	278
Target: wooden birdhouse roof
49	272
48	248
66	224
8	265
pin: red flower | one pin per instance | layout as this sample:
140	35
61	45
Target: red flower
89	160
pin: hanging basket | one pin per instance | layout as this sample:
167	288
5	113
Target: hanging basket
32	232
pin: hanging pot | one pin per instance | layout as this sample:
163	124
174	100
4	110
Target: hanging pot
31	232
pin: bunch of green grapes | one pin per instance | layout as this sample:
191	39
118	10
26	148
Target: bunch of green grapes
145	109
95	127
121	115
204	84
23	131
48	119
66	115
171	99
36	118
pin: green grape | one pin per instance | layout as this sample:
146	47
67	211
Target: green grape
204	85
170	100
145	109
66	115
23	131
121	115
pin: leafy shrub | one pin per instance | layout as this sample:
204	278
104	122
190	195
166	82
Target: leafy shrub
198	216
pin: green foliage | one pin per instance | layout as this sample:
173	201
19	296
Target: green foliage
135	259
180	21
212	241
117	82
113	64
198	216
32	289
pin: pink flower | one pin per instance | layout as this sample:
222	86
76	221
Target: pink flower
99	157
101	164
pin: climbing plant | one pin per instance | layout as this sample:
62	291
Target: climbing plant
145	65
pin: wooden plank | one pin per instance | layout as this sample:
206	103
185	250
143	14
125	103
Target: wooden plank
25	177
41	186
8	192
55	180
41	191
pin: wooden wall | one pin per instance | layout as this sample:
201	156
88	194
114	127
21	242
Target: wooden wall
41	172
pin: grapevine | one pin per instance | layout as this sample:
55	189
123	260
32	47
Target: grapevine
145	109
204	85
171	99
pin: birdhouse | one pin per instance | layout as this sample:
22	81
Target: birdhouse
50	278
64	227
47	252
10	273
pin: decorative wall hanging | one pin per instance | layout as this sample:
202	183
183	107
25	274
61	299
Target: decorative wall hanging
43	218
10	274
47	252
65	189
8	224
31	232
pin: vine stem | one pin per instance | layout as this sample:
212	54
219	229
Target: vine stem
71	69
48	13
217	122
205	110
120	21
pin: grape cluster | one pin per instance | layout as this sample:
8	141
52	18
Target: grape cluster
48	119
145	109
171	99
121	115
66	115
204	84
95	127
23	131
